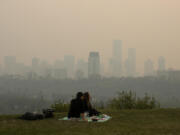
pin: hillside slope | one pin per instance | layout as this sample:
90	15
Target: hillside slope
126	122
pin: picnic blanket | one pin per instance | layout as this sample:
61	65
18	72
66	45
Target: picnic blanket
100	118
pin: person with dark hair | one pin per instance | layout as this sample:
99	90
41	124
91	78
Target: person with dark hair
87	103
88	107
77	109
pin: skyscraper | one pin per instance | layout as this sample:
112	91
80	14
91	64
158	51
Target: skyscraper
10	64
60	73
35	64
148	68
130	63
94	64
161	64
69	62
45	69
1	69
59	70
102	69
83	67
59	64
117	59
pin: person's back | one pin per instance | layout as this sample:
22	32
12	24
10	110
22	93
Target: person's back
73	113
88	107
76	107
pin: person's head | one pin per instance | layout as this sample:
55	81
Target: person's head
79	95
87	96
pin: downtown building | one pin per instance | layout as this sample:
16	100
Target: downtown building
130	63
116	60
69	64
10	65
161	64
161	71
81	69
94	65
149	68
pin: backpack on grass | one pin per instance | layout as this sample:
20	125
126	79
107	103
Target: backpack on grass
31	116
47	113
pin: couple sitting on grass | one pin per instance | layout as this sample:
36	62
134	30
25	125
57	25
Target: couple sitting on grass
81	108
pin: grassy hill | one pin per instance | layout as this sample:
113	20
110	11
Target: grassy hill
126	122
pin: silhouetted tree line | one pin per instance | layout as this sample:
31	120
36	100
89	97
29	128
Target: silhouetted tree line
20	95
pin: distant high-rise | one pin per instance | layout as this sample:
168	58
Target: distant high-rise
161	64
148	68
79	74
102	69
1	69
59	64
10	64
83	67
45	69
60	73
117	58
69	62
35	64
130	63
21	68
94	64
110	67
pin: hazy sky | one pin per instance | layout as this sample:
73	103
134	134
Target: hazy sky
51	28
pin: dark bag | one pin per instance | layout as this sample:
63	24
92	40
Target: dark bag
93	112
31	116
48	113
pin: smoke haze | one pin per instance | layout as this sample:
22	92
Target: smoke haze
49	29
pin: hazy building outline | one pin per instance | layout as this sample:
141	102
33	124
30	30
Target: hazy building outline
149	68
94	64
130	63
117	70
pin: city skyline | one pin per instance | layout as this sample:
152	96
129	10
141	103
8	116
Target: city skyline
71	68
118	54
51	29
139	67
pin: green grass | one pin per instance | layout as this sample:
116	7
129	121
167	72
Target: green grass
126	122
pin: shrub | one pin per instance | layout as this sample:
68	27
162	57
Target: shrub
99	104
129	100
60	106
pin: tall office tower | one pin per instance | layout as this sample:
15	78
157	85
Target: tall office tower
148	68
102	69
60	73
161	64
110	67
117	59
10	64
1	71
69	62
79	74
45	69
130	63
59	64
35	64
94	64
82	68
22	69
